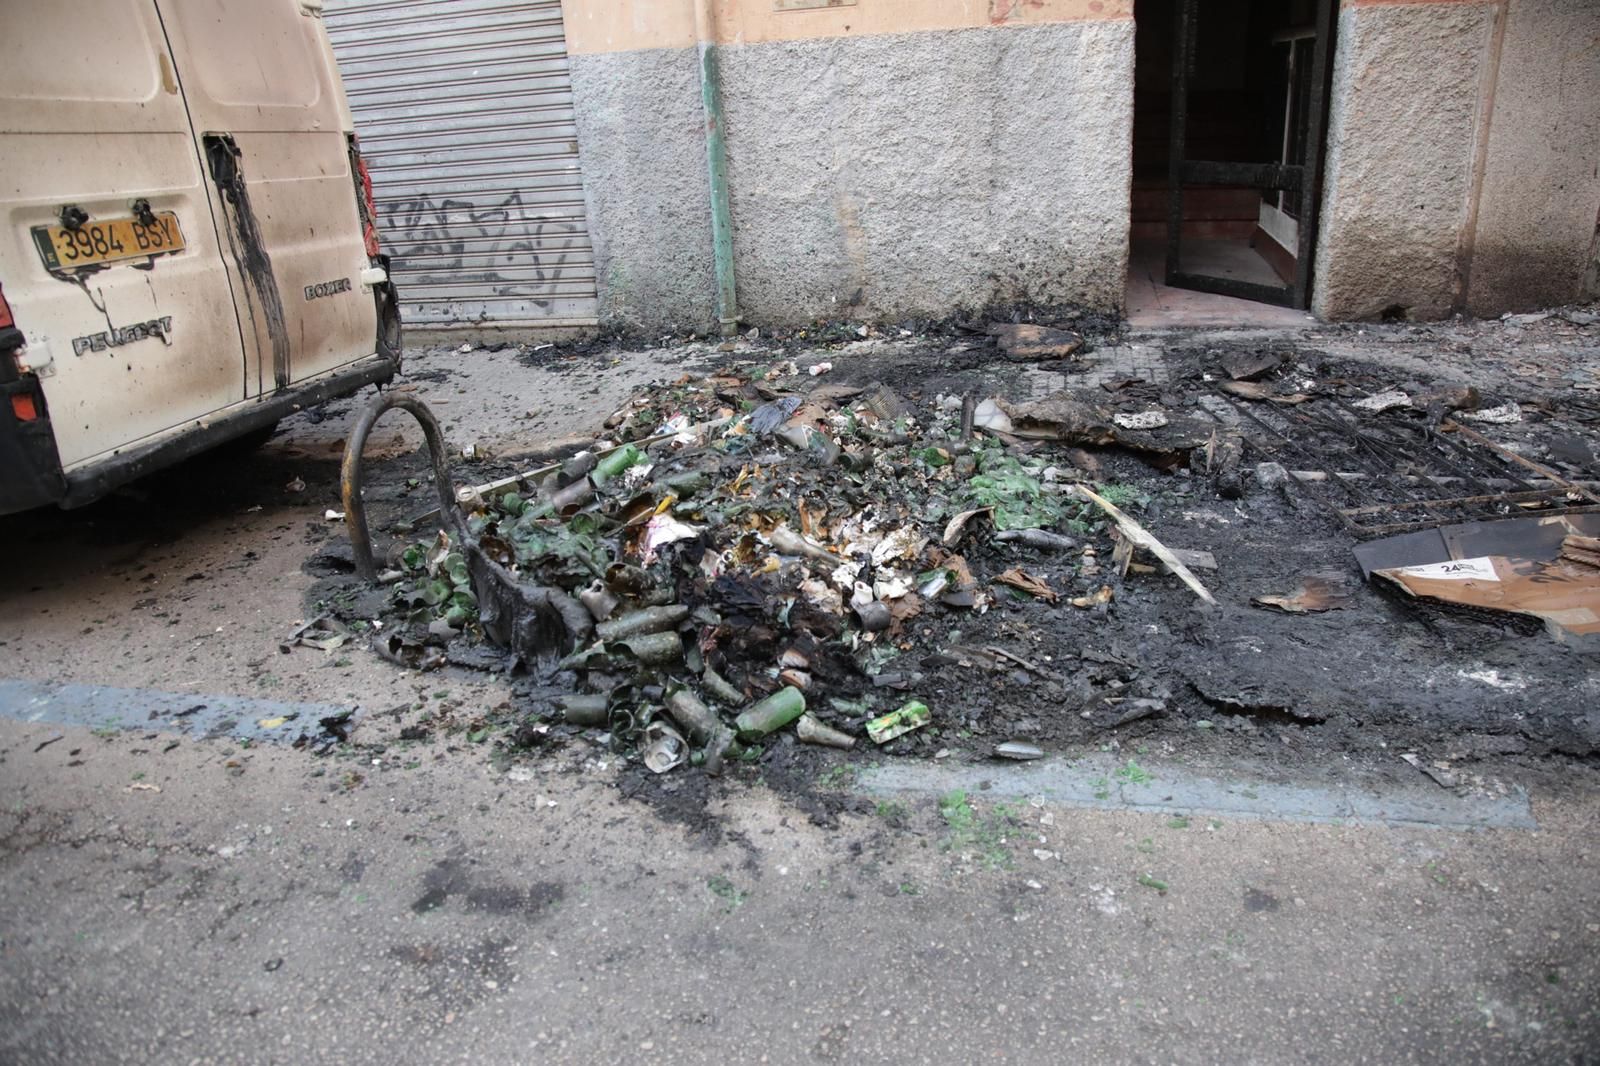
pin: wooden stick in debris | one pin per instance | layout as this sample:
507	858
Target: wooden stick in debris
505	484
1142	538
1032	668
1451	426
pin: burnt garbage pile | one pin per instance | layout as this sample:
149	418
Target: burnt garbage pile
924	567
756	552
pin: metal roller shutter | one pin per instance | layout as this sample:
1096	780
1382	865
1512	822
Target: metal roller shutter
464	109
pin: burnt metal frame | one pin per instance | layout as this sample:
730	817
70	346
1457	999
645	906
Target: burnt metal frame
1412	512
350	470
1305	179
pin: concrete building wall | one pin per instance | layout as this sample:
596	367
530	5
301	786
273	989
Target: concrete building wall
1401	127
1540	192
902	174
1463	166
891	158
887	159
641	148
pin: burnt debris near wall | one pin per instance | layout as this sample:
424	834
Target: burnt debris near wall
979	544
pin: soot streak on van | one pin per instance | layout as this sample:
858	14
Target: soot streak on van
249	248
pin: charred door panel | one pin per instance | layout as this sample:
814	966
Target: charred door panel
261	81
146	343
247	249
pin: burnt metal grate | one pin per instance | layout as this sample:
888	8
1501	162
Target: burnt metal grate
1389	473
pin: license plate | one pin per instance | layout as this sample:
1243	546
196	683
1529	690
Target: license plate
107	241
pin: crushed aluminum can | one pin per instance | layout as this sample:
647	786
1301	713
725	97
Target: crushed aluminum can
913	715
664	748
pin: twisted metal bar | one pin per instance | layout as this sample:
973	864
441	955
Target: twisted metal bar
355	510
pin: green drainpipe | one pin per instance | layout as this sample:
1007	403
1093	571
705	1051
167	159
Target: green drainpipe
717	169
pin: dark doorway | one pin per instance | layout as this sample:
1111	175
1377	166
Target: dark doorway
1230	99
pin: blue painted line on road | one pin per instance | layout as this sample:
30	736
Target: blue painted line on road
1099	781
196	715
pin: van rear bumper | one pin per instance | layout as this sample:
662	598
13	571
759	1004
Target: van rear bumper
32	475
90	483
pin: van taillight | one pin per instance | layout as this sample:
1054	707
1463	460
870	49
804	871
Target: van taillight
364	202
10	336
11	342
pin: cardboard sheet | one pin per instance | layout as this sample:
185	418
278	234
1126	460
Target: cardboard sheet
1514	565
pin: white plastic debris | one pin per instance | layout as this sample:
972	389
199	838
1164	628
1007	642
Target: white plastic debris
987	415
1503	415
905	542
636	476
1142	420
680	425
333	516
818	369
891	586
1382	401
662	530
820	594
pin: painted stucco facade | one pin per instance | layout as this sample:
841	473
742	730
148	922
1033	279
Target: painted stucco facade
890	158
1463	169
884	159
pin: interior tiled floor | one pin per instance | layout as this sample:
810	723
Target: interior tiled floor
1154	305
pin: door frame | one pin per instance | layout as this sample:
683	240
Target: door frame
1303	180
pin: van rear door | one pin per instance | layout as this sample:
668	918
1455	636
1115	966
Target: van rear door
108	253
271	120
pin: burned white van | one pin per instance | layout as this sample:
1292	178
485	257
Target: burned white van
189	250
